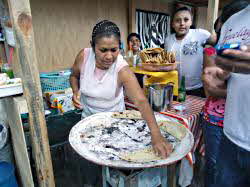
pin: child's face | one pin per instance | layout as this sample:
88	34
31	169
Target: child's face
182	22
134	44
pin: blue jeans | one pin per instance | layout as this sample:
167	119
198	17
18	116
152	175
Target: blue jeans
212	137
233	165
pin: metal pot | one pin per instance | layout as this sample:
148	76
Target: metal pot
160	96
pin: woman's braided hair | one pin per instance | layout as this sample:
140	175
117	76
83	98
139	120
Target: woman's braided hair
105	28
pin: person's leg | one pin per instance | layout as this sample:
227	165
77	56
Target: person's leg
230	174
212	137
244	164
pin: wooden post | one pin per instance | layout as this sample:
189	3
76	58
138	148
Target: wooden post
212	14
132	16
26	53
171	174
18	140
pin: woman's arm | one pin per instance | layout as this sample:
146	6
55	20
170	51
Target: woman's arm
75	78
135	93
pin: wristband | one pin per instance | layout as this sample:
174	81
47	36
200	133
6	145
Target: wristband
210	51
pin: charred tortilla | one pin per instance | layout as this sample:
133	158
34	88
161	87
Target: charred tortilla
127	114
175	129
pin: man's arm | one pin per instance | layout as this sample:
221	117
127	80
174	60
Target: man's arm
212	39
213	84
239	61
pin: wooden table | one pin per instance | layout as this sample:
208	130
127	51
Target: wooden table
194	107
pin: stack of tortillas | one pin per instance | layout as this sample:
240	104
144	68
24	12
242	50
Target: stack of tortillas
157	56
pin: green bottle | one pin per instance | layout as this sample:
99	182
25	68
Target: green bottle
182	90
6	68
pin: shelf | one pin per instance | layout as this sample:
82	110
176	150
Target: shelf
9	90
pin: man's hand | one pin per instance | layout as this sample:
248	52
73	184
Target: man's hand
211	81
217	74
76	100
239	61
214	81
161	147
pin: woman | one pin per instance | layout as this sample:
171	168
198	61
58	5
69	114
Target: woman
187	44
99	75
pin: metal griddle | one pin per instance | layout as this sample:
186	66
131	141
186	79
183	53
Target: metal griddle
180	151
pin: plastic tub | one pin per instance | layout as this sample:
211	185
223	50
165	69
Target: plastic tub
7	175
55	81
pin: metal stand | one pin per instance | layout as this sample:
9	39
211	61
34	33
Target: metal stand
149	177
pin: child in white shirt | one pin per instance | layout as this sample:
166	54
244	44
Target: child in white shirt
187	44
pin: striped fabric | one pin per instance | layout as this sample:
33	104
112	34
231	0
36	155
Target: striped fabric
192	115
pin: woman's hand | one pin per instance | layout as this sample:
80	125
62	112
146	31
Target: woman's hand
161	147
76	100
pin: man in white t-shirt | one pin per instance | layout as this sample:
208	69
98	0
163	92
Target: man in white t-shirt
234	157
189	52
187	45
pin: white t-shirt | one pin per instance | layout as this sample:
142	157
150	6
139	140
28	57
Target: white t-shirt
237	113
189	52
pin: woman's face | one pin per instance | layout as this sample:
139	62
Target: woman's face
134	44
106	51
182	22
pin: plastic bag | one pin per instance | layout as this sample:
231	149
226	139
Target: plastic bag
186	173
3	136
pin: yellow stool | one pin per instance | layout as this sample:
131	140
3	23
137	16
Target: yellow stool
159	77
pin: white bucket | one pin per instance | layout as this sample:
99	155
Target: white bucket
9	35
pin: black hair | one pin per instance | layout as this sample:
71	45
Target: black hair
182	9
105	28
227	12
217	21
132	35
232	8
179	10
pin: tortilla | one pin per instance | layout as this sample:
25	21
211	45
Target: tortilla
127	114
175	129
140	156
